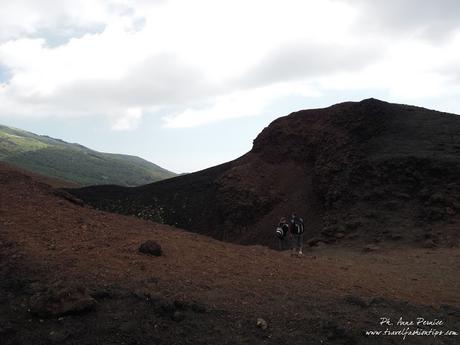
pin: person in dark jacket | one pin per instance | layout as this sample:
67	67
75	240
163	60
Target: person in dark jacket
297	230
282	233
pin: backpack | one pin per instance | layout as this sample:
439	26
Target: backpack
297	226
282	230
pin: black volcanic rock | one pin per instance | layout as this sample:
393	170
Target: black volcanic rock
376	165
151	247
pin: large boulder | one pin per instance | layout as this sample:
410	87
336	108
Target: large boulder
151	248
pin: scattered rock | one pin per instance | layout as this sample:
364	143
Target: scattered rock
102	294
428	235
356	300
353	235
379	301
335	332
151	248
403	196
396	237
58	336
59	300
180	304
69	197
429	243
6	328
392	205
439	198
370	248
327	231
331	231
142	294
330	240
262	324
165	309
353	225
129	326
152	280
178	316
198	308
434	213
35	287
451	310
450	211
314	241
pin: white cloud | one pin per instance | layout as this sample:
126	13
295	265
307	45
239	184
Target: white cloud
234	105
28	17
411	69
215	60
129	120
237	104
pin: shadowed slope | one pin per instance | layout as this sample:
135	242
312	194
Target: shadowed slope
370	171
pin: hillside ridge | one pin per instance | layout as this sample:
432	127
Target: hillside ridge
368	171
74	162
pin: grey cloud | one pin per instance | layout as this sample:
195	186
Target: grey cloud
158	81
166	81
433	19
301	61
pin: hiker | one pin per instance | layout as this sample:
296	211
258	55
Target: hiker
282	232
297	233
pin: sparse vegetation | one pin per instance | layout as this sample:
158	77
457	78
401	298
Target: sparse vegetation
73	162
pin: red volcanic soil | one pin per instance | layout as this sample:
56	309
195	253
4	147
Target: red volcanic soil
357	172
6	168
71	274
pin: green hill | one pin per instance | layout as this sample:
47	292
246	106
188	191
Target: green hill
73	162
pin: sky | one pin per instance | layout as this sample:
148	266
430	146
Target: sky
190	84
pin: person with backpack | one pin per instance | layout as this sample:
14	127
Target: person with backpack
297	230
282	231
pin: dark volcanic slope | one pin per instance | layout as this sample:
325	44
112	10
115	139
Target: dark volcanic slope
370	171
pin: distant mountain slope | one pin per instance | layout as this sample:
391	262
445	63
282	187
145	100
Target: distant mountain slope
358	171
73	162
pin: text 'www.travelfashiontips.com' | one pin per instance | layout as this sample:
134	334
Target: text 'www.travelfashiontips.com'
415	327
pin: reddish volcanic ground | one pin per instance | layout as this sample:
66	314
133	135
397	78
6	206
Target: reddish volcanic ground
72	274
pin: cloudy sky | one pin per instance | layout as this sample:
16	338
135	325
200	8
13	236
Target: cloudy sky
189	84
